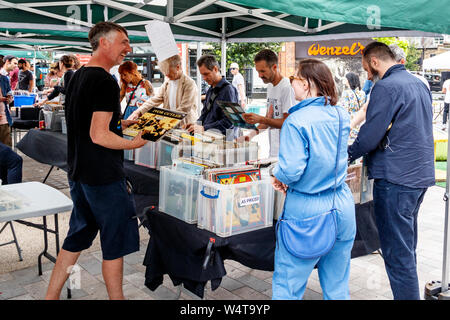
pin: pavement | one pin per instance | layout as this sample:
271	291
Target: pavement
19	280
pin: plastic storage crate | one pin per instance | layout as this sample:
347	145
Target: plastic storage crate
227	210
24	100
63	125
146	155
164	149
128	154
178	194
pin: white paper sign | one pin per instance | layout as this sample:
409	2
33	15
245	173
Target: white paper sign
162	39
249	201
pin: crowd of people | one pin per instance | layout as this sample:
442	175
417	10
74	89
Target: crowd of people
388	121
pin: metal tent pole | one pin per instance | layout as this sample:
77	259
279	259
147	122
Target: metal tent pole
224	47
436	289
199	79
446	262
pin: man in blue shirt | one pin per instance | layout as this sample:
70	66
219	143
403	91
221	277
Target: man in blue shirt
212	116
397	141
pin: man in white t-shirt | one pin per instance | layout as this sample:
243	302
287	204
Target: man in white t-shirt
446	91
239	83
280	98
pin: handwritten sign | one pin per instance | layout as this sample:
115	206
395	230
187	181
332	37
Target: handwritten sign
162	39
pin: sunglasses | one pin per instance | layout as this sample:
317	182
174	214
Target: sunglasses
292	78
233	68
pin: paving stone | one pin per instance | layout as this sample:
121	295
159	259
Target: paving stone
248	293
97	290
162	293
261	274
230	283
312	295
24	297
10	289
5	277
27	275
254	283
134	258
91	265
137	279
221	294
37	290
187	295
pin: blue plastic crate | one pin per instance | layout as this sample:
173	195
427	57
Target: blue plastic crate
24	100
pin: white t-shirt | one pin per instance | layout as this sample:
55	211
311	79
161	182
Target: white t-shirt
237	80
446	85
173	86
281	97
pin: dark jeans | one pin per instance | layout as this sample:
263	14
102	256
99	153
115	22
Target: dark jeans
10	165
396	209
445	115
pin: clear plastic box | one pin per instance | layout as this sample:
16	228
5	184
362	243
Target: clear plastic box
63	125
165	150
227	210
178	194
128	154
146	155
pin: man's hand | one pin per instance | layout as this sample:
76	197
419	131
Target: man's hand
278	185
138	141
127	123
252	118
194	128
134	116
3	99
242	139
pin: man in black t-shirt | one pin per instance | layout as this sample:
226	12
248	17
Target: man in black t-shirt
26	81
102	199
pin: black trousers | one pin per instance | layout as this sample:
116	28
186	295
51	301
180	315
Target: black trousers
445	115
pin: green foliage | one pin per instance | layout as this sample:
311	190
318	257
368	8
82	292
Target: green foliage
412	54
243	53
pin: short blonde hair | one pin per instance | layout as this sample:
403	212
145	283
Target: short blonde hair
171	62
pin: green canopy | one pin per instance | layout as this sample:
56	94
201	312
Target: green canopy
53	25
23	54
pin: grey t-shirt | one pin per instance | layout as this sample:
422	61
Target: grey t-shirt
24	79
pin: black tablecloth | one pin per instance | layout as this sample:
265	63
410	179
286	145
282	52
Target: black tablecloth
187	246
177	248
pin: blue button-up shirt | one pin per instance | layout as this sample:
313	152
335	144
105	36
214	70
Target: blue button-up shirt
215	118
308	147
6	88
402	99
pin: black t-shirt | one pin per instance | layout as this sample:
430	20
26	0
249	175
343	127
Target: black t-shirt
24	79
92	89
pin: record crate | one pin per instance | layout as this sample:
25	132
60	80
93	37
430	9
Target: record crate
227	210
178	194
146	156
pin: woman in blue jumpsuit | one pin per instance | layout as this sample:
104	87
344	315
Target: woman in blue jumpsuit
306	172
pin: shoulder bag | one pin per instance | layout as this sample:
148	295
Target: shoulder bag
131	98
313	237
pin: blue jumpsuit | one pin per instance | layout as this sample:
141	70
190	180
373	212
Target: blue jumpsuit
307	158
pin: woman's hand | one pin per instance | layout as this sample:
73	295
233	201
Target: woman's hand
278	185
134	116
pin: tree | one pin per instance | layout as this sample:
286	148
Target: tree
412	54
243	53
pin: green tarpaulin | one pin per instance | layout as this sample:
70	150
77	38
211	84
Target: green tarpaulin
65	24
